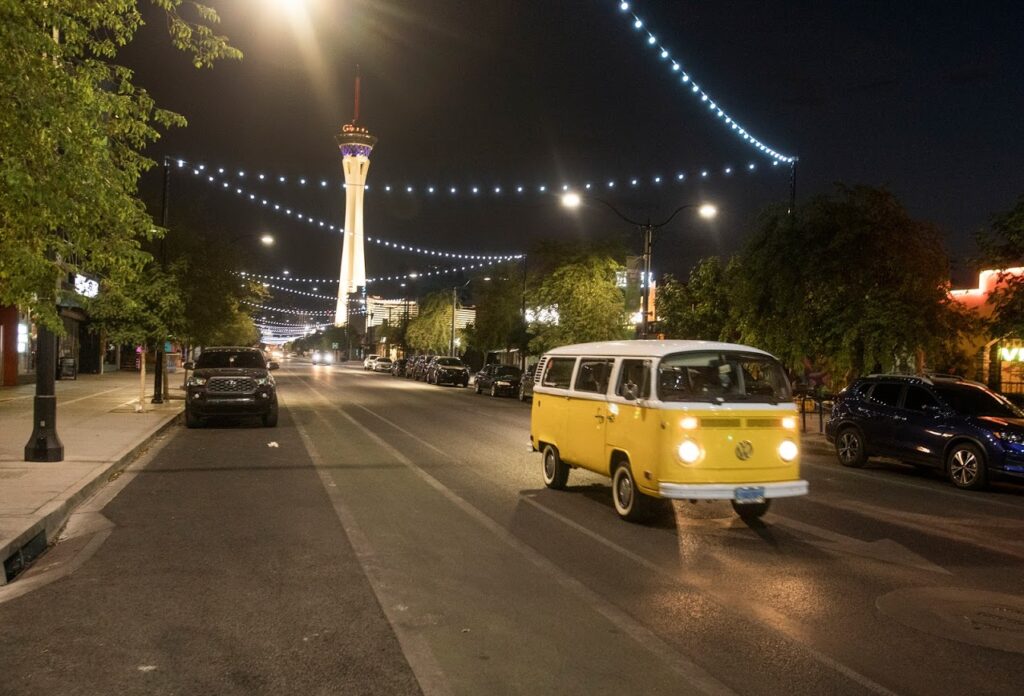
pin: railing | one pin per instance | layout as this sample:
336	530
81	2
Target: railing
815	411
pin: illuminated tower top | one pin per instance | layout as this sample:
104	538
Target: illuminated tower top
354	140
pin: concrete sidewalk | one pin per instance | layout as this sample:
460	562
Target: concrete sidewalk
101	432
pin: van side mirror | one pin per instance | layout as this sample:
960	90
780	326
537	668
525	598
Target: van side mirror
189	365
630	391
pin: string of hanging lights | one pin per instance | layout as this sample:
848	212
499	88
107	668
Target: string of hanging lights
689	84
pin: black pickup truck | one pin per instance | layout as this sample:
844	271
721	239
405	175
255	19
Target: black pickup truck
231	381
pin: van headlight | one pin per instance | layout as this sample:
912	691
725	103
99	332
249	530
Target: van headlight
788	450
689	451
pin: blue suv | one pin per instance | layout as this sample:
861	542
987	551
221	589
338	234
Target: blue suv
959	427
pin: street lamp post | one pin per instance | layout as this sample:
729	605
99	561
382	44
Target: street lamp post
706	211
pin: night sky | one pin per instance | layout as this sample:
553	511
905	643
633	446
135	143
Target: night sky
924	98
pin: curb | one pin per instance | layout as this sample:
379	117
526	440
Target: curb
55	515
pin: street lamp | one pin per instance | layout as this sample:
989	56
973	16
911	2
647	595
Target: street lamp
571	199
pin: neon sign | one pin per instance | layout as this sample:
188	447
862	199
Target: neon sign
1011	354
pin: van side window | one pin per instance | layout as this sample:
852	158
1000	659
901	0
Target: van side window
638	373
593	375
558	373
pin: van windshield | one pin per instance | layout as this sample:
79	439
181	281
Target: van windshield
722	377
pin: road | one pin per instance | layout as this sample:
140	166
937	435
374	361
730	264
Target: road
391	537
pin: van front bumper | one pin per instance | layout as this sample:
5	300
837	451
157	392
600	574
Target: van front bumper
727	491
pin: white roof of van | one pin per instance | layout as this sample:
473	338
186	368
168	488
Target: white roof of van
647	349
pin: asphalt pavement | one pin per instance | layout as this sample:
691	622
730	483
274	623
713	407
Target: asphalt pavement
393	537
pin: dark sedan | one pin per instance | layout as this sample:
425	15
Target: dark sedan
498	380
398	367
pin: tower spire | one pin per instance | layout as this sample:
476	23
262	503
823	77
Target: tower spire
355	116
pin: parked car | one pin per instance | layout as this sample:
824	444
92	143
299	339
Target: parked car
498	379
322	357
382	364
230	381
369	360
446	370
525	391
420	370
958	427
398	367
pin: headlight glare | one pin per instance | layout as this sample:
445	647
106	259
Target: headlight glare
789	423
689	452
788	450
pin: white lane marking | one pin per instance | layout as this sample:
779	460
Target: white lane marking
415	648
766	616
695	675
763	614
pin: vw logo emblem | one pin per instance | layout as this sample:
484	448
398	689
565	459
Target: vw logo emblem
743	450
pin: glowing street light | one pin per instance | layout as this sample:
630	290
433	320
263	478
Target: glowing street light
267	240
707	211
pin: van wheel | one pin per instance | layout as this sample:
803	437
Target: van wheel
556	472
631	504
749	512
850	448
965	466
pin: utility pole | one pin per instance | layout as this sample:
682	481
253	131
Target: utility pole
451	345
645	282
158	370
792	188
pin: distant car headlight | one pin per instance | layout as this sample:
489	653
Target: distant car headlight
197	381
788	450
1005	436
689	451
328	358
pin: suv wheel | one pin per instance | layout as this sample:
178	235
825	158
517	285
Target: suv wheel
270	418
192	420
850	448
965	466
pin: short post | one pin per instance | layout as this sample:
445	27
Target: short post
140	407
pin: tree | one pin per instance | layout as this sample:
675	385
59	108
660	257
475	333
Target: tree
431	331
71	134
191	290
700	308
1002	247
577	301
499	318
851	281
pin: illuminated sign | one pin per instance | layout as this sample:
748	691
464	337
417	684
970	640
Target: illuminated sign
1011	354
22	338
86	286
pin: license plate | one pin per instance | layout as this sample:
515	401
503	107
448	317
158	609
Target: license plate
751	494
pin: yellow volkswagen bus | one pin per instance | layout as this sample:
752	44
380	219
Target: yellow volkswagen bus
693	420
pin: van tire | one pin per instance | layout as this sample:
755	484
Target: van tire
556	472
630	503
749	512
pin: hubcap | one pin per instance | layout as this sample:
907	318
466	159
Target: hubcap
549	466
848	447
624	487
964	467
